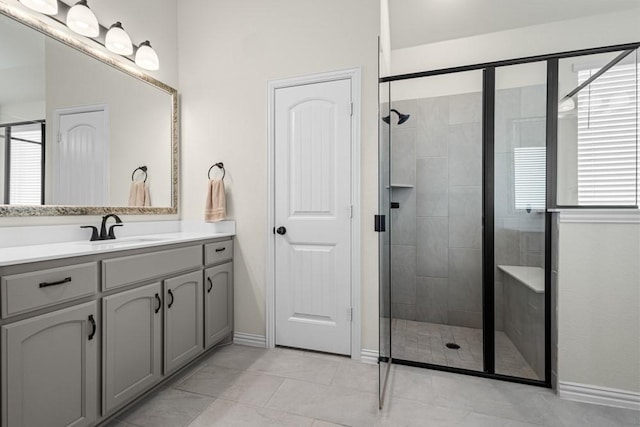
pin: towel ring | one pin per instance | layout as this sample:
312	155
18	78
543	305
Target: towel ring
221	166
140	168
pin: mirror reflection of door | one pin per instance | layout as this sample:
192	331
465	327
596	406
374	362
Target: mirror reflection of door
21	159
81	157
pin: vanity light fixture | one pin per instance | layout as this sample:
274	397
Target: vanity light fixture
48	7
118	41
146	57
82	20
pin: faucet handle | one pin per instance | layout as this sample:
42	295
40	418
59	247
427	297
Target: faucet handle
111	233
94	232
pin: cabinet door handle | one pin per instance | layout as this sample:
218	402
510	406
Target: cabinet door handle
59	282
172	298
210	285
159	303
93	327
220	249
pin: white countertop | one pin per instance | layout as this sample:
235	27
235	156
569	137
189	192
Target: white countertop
43	252
532	277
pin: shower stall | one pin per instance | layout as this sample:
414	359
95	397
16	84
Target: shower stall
468	183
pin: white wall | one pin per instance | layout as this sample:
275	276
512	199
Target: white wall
143	19
228	51
599	304
599	280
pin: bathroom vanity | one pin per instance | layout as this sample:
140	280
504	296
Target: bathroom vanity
87	328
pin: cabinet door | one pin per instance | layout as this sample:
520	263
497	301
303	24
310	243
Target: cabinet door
50	369
132	343
183	337
218	303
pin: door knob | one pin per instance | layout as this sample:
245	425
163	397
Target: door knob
281	231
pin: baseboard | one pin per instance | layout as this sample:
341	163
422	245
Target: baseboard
369	356
599	395
249	340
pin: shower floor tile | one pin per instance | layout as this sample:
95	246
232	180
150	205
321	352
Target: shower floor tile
426	342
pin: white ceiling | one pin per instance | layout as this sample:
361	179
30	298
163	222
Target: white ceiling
416	22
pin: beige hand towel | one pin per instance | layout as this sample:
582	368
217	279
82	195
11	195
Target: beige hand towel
139	194
216	207
146	201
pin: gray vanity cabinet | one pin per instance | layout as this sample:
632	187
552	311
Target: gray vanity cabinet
50	369
83	337
218	303
183	319
132	344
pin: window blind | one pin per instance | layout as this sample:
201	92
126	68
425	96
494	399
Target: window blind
607	138
530	177
25	172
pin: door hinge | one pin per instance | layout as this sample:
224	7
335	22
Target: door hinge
351	109
351	212
379	223
350	314
59	137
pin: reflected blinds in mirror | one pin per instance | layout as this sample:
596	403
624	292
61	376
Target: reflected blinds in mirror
23	164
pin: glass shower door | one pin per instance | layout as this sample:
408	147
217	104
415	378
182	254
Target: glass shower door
384	360
436	185
520	155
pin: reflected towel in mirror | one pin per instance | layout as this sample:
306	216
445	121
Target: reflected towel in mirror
216	206
139	194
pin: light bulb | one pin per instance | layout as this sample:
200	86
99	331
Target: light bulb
48	7
82	20
118	41
146	57
566	105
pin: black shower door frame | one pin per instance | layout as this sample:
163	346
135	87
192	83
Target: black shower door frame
488	217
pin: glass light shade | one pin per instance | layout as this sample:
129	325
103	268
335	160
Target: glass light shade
118	41
566	105
82	20
48	7
146	57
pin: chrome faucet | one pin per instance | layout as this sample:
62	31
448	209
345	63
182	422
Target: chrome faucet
104	235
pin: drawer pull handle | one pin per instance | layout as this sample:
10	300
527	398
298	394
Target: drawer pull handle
94	328
210	285
59	282
172	298
159	303
220	249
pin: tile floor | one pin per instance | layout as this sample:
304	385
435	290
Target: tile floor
247	386
425	342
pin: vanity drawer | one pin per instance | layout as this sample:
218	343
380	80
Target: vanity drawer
122	271
218	252
38	289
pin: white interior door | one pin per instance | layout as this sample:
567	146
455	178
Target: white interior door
82	159
313	216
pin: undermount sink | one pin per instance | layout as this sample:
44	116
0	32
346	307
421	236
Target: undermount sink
125	241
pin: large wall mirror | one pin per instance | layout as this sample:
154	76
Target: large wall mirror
79	131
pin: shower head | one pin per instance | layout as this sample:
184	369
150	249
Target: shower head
401	117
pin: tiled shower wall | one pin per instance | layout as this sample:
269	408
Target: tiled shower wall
436	232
